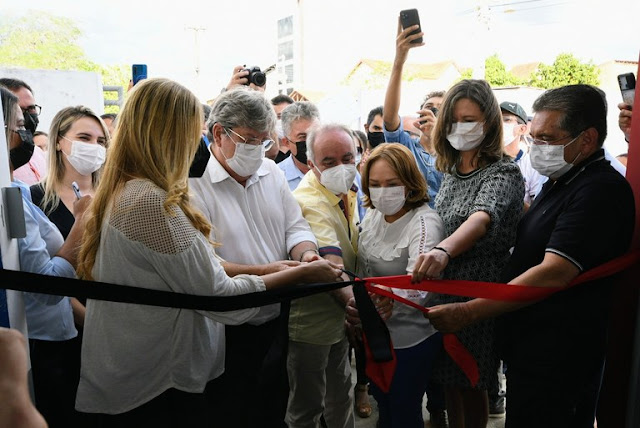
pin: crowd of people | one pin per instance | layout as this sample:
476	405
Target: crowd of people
252	194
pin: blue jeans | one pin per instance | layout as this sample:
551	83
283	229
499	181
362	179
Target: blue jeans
402	406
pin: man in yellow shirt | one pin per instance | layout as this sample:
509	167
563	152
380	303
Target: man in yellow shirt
318	365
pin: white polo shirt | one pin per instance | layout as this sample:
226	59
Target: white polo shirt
256	224
533	181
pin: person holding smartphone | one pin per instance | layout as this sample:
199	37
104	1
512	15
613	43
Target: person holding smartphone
624	120
421	148
78	141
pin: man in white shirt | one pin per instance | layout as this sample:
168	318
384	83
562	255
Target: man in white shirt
297	119
514	122
259	226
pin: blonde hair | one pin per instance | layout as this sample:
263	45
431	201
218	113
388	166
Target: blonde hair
62	122
491	148
158	134
404	164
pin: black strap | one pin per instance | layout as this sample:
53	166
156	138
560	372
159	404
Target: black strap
375	329
36	283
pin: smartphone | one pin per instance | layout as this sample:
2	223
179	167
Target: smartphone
76	190
627	84
408	18
138	72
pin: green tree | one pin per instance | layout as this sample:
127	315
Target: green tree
496	73
466	73
45	41
565	70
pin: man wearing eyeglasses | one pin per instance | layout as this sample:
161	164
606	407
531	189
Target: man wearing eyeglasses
260	226
583	217
34	170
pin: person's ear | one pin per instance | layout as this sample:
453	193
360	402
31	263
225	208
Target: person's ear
284	142
521	130
216	131
589	141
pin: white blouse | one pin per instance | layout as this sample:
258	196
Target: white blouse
132	353
387	249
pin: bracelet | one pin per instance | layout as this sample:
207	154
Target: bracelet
443	250
306	251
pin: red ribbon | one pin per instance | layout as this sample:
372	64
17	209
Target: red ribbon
491	290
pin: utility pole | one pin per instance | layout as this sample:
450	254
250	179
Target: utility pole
483	14
196	32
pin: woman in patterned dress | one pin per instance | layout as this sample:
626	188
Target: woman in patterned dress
480	203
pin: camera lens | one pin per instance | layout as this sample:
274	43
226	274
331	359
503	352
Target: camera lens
258	78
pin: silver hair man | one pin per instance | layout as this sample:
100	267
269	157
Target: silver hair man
243	108
322	128
296	111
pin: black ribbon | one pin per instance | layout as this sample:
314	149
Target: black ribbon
36	283
373	326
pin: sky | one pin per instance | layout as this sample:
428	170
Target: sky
160	33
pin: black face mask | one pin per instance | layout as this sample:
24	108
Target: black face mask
20	155
200	160
375	138
301	147
281	156
31	122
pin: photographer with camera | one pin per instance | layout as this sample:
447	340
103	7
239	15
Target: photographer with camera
252	77
394	131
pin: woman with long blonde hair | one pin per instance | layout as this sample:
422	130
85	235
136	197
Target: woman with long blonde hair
144	365
78	139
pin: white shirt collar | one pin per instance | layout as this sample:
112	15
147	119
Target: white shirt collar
217	173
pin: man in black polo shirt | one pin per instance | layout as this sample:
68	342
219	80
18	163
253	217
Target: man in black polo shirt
583	217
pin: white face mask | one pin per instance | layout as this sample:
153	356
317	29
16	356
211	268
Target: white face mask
279	129
388	200
338	179
86	158
466	135
246	159
507	133
549	161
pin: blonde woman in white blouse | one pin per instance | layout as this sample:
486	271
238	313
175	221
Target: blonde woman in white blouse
397	228
145	365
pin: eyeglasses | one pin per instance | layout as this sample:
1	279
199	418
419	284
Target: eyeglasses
547	143
268	144
252	141
33	109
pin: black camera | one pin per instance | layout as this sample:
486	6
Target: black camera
256	76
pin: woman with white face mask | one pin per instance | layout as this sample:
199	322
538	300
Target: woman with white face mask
397	229
480	203
77	139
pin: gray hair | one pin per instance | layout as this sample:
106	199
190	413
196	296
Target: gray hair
296	111
243	108
322	128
